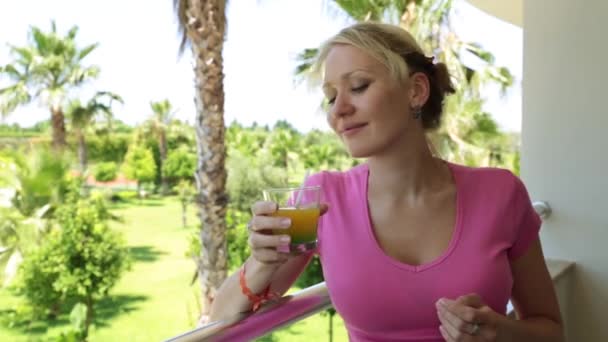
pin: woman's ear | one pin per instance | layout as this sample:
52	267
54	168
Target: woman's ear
420	89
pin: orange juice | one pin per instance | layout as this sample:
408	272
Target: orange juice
303	224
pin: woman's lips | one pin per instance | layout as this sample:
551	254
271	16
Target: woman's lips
353	129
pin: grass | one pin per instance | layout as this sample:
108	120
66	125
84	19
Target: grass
153	301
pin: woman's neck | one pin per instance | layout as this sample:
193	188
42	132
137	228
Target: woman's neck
407	172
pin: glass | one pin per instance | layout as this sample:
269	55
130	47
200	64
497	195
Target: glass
301	205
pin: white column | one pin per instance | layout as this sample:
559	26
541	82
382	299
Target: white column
565	146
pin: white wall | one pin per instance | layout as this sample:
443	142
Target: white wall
565	146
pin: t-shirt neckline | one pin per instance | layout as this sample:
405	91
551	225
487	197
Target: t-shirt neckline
453	240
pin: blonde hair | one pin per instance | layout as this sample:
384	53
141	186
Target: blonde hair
399	52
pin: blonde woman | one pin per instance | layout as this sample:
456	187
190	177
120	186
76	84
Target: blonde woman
413	248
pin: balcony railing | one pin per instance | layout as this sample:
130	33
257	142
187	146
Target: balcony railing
281	313
300	305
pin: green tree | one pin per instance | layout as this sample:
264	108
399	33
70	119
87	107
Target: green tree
47	68
38	275
83	116
139	165
203	26
83	258
180	164
248	141
185	194
106	171
109	147
159	123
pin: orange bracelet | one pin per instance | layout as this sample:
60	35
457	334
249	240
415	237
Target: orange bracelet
257	300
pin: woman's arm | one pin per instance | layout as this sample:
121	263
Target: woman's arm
469	319
230	300
266	265
534	300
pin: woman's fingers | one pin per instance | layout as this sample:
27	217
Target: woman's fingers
264	208
457	329
259	223
466	319
265	246
268	244
257	240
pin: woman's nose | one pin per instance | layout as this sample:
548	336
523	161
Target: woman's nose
342	106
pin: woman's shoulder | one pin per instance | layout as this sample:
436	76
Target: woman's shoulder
490	180
484	174
331	177
339	181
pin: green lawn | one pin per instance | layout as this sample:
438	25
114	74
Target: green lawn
153	301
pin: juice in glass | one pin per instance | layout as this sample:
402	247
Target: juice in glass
301	205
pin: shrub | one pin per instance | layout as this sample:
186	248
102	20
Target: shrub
139	165
180	164
82	259
108	147
106	171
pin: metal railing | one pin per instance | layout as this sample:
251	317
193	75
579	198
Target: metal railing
280	313
283	312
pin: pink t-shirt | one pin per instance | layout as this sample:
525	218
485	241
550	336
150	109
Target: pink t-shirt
383	299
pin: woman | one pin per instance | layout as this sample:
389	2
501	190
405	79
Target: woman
413	247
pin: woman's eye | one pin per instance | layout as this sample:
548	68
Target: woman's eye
360	88
331	101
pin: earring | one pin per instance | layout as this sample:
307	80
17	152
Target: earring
417	111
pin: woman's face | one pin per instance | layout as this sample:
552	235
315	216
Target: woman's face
368	108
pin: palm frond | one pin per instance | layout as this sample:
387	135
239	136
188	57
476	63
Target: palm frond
71	33
304	70
40	40
180	7
13	96
87	50
477	50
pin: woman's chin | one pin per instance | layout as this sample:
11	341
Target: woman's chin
359	151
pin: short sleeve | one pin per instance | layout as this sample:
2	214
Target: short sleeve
526	223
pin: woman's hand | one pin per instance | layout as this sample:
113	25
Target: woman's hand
467	319
266	247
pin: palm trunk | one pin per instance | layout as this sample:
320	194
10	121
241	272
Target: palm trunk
162	147
58	127
139	194
89	317
331	327
184	214
82	151
205	27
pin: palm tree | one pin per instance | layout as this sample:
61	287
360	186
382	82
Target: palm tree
84	115
203	26
46	69
159	124
36	185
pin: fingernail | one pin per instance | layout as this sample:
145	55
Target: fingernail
440	303
285	238
285	223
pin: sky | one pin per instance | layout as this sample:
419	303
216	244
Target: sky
139	60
